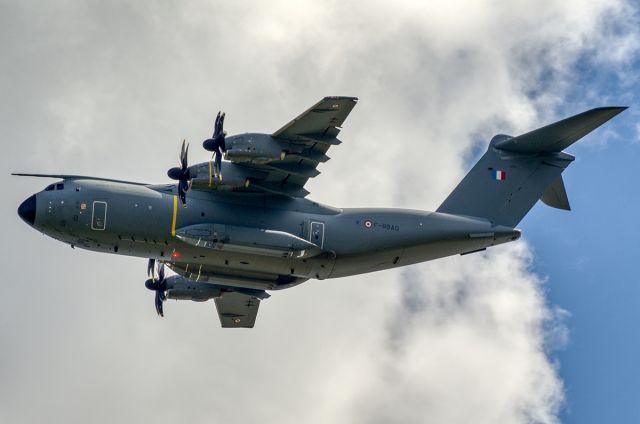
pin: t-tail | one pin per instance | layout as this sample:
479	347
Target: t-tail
517	171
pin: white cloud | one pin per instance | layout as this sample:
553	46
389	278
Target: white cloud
467	342
111	89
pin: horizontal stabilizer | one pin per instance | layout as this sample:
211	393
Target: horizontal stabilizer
556	195
559	135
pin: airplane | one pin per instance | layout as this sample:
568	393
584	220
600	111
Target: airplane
232	239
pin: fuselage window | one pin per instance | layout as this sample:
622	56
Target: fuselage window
99	217
59	186
50	187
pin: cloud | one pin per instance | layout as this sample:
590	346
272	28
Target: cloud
467	339
112	88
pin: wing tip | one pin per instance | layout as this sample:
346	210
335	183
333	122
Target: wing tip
354	99
610	110
618	108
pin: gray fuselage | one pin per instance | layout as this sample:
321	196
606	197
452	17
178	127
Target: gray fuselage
143	220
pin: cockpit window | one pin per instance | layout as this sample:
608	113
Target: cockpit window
59	186
50	187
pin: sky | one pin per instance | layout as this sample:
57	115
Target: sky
543	330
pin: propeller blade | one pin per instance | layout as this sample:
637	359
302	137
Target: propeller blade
183	156
182	194
158	302
215	126
161	273
184	185
150	267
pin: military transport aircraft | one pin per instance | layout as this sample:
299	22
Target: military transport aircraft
254	230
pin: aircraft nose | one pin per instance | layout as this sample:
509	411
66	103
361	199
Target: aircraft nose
27	210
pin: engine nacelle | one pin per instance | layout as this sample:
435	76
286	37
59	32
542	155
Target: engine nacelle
203	177
256	148
181	288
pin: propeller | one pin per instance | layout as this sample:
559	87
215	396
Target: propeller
209	143
217	139
182	174
158	285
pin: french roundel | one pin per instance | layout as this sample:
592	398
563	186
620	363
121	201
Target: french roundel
368	224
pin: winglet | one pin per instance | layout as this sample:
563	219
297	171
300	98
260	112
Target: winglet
557	136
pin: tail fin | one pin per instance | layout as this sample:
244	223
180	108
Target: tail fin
517	171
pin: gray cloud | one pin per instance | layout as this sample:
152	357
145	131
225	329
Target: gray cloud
112	88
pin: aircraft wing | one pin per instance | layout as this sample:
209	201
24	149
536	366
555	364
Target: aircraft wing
307	138
237	310
320	123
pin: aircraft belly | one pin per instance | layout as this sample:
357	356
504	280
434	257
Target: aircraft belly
364	263
428	252
393	258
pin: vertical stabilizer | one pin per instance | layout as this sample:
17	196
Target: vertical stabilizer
517	171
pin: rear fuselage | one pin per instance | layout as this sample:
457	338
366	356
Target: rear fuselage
144	221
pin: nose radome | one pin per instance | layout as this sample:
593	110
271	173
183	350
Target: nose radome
27	210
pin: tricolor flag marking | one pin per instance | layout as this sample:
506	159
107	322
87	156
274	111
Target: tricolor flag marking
499	174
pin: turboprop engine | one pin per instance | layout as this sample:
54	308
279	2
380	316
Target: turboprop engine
256	148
